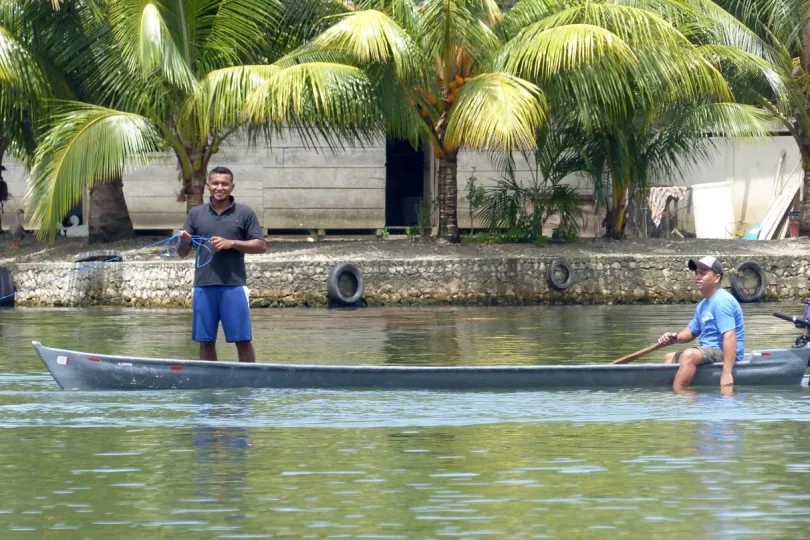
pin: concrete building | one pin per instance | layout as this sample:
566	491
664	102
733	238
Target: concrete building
293	187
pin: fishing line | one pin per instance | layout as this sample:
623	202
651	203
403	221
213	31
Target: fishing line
199	242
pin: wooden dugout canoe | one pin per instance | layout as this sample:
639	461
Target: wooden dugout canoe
75	370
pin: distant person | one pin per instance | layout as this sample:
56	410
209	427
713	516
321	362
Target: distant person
220	286
719	324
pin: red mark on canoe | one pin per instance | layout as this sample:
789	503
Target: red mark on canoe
177	368
92	359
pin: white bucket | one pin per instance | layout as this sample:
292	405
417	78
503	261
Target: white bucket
714	210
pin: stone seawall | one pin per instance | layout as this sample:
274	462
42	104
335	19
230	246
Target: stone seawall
599	279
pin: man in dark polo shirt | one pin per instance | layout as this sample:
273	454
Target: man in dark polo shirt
220	286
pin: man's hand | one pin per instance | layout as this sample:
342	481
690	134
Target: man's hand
668	338
185	238
220	243
726	379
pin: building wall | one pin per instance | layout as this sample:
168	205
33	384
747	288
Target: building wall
753	162
288	185
294	187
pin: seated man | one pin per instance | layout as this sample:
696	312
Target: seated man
719	323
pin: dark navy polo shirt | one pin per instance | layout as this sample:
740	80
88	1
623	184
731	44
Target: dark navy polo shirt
238	222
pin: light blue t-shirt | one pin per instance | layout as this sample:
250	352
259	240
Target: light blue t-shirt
715	316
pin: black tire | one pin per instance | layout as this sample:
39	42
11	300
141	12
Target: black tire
6	288
560	266
344	286
743	293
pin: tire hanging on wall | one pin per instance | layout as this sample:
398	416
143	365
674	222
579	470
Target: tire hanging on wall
6	287
344	286
554	267
742	295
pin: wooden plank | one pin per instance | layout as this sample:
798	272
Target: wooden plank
781	230
788	195
777	210
157	220
351	158
351	218
168	205
331	177
288	198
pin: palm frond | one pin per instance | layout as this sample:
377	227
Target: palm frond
229	33
632	25
688	134
749	66
221	99
301	21
720	27
86	145
404	12
666	75
448	24
527	12
732	120
496	111
371	37
330	100
146	42
587	66
778	21
19	66
539	54
400	107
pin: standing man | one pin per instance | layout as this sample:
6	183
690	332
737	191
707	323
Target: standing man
719	323
220	286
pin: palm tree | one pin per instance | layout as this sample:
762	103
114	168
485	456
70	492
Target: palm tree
166	76
785	26
424	65
463	74
26	76
690	61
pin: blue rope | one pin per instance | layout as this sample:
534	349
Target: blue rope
197	241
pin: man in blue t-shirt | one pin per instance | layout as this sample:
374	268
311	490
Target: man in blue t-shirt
718	323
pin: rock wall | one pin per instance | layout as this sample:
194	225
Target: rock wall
601	279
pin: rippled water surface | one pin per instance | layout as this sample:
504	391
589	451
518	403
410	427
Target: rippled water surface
397	464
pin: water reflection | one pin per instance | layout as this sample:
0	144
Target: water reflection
221	452
266	463
404	336
423	338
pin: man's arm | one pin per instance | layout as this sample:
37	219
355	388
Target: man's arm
245	246
255	242
684	336
184	246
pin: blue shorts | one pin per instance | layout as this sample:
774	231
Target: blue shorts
227	304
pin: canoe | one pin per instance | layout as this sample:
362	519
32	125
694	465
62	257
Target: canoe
75	370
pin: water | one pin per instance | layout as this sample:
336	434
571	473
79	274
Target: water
396	464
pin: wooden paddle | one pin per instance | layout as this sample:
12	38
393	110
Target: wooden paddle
639	353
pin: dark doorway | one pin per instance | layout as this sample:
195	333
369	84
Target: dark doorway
404	183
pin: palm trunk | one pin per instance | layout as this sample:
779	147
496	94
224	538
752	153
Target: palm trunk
804	219
615	218
195	186
109	215
448	197
802	136
3	146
